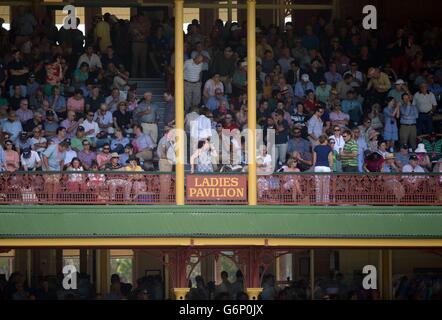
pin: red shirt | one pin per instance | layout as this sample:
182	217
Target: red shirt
231	126
310	106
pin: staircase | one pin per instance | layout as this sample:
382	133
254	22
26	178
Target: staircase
157	87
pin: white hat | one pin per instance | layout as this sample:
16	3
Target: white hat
420	148
305	77
244	64
399	81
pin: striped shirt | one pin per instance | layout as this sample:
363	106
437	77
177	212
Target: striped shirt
350	147
192	71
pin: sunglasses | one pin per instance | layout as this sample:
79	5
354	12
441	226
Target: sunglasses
336	130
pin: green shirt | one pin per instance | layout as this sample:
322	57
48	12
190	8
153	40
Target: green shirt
435	147
77	143
350	147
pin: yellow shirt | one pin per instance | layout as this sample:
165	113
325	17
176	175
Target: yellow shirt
102	31
129	168
382	84
261	49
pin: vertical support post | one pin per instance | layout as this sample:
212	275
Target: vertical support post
251	98
58	260
83	260
229	10
312	274
253	279
179	100
386	274
103	275
335	9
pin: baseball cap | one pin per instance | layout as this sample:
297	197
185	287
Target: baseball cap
405	146
80	128
413	157
305	77
115	155
49	113
399	81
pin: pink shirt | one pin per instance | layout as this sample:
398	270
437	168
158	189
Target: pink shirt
210	86
75	105
12	160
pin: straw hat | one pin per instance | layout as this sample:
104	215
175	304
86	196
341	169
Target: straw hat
390	156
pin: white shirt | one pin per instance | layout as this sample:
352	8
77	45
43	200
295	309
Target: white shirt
70	154
267	162
105	119
205	54
190	117
93	61
39	140
192	71
90	126
211	87
339	142
201	128
424	102
32	161
409	169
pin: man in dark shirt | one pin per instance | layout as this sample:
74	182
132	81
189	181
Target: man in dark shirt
15	98
36	121
263	112
110	57
95	100
224	65
18	73
281	137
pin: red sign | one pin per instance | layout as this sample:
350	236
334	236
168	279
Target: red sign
216	187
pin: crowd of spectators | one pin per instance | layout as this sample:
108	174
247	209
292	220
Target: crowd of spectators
339	98
334	287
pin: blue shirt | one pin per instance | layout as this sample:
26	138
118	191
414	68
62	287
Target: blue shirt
60	105
352	108
322	153
301	87
409	114
330	78
14	128
54	157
